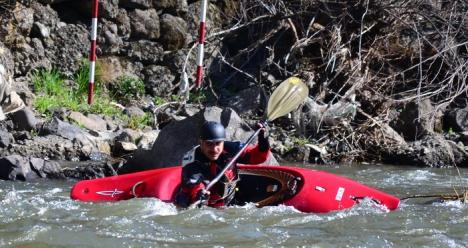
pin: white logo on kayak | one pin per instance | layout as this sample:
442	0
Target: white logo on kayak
110	193
339	194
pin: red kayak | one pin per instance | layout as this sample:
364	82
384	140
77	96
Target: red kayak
305	189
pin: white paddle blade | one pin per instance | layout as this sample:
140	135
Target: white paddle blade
288	96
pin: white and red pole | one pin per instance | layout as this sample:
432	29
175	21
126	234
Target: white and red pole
201	43
92	51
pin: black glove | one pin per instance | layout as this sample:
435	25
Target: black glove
203	196
263	143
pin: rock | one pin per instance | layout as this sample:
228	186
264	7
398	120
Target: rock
24	119
122	148
112	41
110	123
174	141
92	122
103	147
416	120
115	68
146	140
147	52
6	139
135	4
39	30
134	111
16	167
173	32
128	135
145	24
26	15
101	124
158	80
123	24
460	156
464	137
177	7
317	154
247	102
391	134
46	169
88	169
69	48
457	120
68	131
431	151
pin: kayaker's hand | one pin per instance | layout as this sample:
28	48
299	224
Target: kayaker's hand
263	143
203	196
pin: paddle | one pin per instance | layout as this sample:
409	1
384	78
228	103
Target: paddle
288	96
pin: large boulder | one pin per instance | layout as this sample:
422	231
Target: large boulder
16	167
174	32
416	120
178	7
158	80
145	24
178	137
457	119
431	151
144	51
247	102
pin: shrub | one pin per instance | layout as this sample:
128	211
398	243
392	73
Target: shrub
128	88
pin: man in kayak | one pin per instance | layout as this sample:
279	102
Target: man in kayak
205	161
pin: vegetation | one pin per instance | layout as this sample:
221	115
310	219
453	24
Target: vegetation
128	88
55	91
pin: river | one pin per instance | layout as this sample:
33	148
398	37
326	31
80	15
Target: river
41	214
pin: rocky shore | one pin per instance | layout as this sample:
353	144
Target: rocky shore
383	89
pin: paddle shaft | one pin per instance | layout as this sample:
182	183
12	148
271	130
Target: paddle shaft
453	196
287	96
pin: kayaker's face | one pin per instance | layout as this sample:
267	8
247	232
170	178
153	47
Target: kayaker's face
212	149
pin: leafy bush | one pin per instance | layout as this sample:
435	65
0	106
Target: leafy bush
136	122
128	88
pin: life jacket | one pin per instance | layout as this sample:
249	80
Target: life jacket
198	171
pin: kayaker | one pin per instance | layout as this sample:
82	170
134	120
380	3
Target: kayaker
205	161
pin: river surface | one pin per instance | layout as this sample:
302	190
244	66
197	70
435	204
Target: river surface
41	214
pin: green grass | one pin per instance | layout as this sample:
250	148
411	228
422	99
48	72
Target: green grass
52	93
81	79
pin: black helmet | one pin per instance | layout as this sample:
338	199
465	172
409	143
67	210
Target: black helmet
212	131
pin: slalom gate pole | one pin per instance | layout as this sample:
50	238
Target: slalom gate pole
92	50
201	43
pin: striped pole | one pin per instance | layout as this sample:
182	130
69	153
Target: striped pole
201	42
92	51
